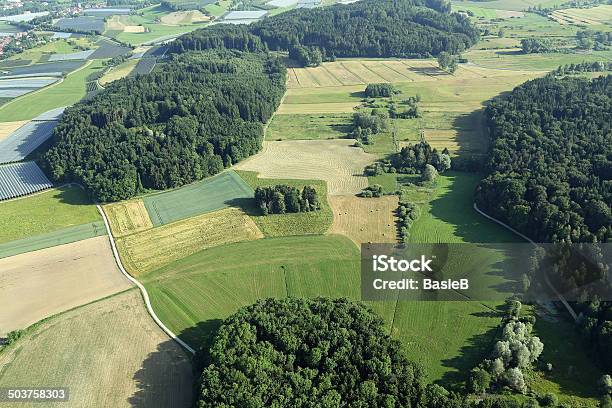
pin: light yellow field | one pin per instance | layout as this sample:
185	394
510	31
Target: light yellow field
39	284
335	161
109	354
361	71
7	128
120	71
149	250
185	17
471	142
128	217
365	220
305	108
134	29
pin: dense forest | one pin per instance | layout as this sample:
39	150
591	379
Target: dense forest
550	169
368	28
192	116
550	174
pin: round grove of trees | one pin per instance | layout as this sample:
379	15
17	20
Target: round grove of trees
308	352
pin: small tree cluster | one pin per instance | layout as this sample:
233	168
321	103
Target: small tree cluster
375	190
307	56
408	212
412	159
383	90
429	174
517	349
379	168
410	111
281	199
447	62
536	45
597	66
367	124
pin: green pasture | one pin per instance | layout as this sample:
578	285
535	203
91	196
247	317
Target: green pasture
64	93
218	8
276	225
515	59
512	5
388	182
312	127
46	212
214	193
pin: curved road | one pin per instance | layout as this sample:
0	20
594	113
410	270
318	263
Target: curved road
145	295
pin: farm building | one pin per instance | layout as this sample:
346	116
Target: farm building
20	179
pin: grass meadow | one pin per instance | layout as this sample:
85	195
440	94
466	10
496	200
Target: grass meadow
45	212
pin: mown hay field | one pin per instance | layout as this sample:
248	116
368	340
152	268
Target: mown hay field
118	72
145	251
365	220
335	161
598	15
109	354
128	217
39	284
224	190
48	211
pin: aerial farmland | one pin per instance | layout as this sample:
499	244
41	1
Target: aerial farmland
170	171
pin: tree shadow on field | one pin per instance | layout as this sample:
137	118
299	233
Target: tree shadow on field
472	353
166	379
245	204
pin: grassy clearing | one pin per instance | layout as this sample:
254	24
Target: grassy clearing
386	180
309	127
118	72
599	15
365	220
218	8
128	217
276	225
221	191
149	250
337	162
192	294
45	212
108	353
65	93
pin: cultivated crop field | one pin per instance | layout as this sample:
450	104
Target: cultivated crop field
365	220
128	217
151	249
120	71
224	190
39	284
335	161
7	128
108	353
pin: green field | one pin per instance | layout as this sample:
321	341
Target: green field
54	238
46	212
64	93
218	8
221	191
277	225
192	294
294	127
386	180
61	46
513	5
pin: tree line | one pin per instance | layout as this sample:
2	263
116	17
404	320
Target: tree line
281	199
190	118
368	28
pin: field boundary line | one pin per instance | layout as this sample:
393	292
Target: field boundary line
569	308
143	291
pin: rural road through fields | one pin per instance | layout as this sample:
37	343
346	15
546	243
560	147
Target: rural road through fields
145	295
570	310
